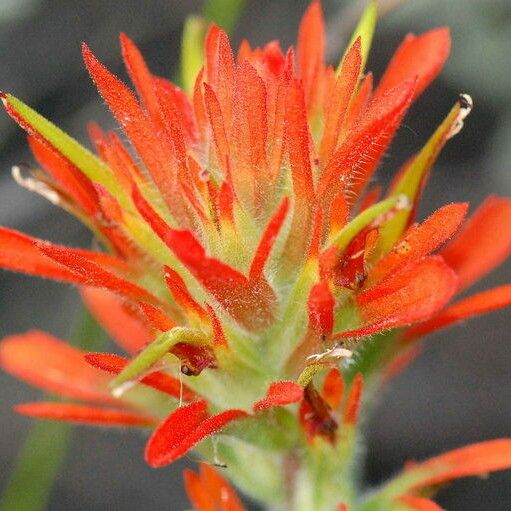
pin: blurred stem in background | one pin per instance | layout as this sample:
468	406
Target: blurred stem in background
47	443
225	13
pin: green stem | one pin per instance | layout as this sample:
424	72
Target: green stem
224	13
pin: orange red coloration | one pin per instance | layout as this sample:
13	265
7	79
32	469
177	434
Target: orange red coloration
241	235
208	491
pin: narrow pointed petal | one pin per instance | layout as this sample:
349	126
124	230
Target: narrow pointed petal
19	253
353	400
158	319
409	296
137	127
142	79
208	491
128	331
226	497
268	239
333	388
200	495
311	51
82	414
181	294
421	240
366	143
158	380
419	57
93	274
49	364
249	139
475	305
67	175
338	103
280	393
219	338
483	243
298	143
321	305
182	430
472	460
218	128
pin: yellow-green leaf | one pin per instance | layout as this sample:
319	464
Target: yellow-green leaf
192	52
85	160
153	353
365	30
409	183
361	221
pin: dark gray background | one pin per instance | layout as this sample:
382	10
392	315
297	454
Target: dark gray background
458	391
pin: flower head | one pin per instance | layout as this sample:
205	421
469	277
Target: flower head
246	259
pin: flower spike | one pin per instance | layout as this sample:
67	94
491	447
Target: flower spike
249	267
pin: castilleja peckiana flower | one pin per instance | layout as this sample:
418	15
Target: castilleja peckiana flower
260	286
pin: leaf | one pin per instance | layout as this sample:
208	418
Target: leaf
280	393
224	13
70	412
41	128
158	380
411	180
145	360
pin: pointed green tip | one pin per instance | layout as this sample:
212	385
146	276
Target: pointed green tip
192	53
365	30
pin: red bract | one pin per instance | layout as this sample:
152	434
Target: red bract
245	258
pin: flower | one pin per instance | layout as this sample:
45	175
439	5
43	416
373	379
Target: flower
246	263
